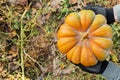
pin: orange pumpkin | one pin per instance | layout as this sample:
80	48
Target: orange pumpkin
85	37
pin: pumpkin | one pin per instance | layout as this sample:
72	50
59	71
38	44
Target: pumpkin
85	37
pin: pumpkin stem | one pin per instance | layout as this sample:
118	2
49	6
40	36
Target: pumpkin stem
84	36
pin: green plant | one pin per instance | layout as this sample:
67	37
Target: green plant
23	30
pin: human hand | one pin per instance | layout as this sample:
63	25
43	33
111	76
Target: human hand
99	68
107	12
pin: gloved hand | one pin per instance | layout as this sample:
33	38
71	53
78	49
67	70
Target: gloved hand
99	68
107	12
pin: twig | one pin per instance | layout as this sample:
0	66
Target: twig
41	67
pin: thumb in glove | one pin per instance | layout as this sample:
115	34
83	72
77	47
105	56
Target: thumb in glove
107	12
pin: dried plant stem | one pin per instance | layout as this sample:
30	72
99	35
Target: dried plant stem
21	50
41	67
21	45
22	42
25	11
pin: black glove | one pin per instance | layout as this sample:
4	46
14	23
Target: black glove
107	12
99	68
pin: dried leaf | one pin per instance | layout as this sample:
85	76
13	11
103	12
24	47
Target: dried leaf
13	66
12	34
67	71
11	1
1	66
73	1
37	5
55	4
21	2
13	51
48	16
